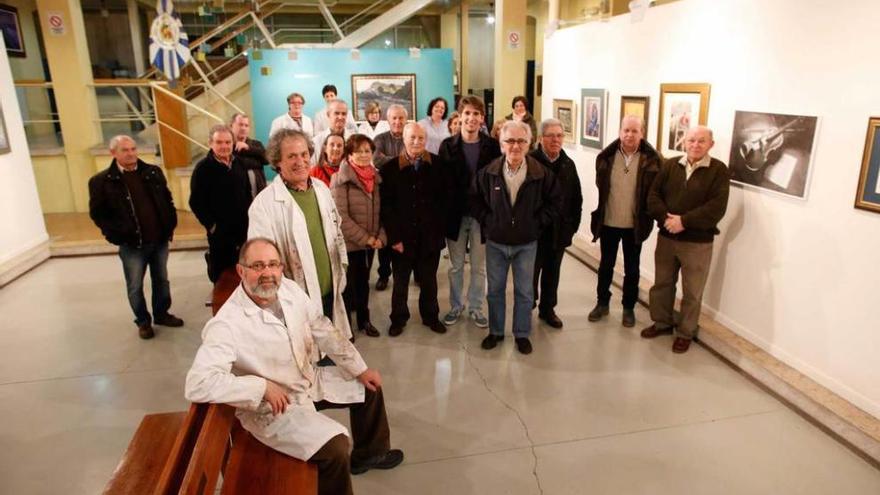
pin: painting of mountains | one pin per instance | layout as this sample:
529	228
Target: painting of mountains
384	89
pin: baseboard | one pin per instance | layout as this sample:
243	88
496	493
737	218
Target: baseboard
851	425
23	262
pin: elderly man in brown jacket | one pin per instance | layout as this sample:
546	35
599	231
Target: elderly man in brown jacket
688	199
355	190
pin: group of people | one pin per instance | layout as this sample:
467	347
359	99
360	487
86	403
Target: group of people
291	259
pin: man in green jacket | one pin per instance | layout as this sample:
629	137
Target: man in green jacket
688	199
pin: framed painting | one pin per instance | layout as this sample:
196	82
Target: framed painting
563	111
4	136
593	103
681	106
868	195
10	26
773	151
636	105
384	89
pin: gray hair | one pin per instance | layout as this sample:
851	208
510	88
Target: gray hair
703	128
335	100
396	107
637	118
242	253
515	124
547	123
237	115
115	140
218	128
273	149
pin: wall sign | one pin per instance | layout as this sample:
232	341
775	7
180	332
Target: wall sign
57	26
514	38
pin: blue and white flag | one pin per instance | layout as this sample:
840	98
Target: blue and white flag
169	45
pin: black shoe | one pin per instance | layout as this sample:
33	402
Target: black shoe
145	331
523	345
629	317
436	326
369	330
491	341
382	283
390	459
551	319
395	329
168	320
598	312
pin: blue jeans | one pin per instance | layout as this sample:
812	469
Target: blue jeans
468	233
499	259
134	265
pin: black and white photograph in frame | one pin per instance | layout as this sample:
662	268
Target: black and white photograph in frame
773	151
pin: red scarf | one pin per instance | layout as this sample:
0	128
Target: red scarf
367	176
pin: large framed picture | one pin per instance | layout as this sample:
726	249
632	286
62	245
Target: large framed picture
636	105
682	105
4	136
10	26
868	195
384	89
563	111
593	103
773	151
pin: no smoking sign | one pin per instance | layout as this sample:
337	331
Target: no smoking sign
56	23
513	39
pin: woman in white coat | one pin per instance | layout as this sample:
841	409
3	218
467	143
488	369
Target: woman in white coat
374	125
300	216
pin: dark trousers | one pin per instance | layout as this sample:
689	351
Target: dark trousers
609	238
425	266
371	437
548	263
357	291
385	262
134	265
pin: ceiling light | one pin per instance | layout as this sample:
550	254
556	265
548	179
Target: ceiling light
490	19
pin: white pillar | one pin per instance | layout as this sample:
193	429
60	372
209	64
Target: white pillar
137	37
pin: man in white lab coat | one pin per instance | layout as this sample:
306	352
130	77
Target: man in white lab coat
260	354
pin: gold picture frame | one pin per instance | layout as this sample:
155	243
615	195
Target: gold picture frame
564	111
868	197
636	105
677	102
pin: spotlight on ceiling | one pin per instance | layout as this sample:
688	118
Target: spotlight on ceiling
490	19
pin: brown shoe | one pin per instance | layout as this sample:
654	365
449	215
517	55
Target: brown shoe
680	346
145	331
653	331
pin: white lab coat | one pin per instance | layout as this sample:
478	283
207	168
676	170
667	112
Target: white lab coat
322	121
367	130
285	121
244	345
274	214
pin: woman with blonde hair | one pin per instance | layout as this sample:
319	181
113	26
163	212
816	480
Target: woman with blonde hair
374	125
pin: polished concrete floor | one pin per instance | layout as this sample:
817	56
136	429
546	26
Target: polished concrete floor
595	409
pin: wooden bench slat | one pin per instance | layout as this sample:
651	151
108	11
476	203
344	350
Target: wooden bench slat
209	453
146	455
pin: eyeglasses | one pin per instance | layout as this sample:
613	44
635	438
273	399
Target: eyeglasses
511	142
259	266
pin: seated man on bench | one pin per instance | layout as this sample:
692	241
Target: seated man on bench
260	354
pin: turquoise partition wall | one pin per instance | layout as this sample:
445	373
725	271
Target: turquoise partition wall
276	73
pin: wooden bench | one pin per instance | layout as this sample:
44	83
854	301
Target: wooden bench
188	453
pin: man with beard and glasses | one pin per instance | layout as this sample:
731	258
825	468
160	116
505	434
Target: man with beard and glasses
260	354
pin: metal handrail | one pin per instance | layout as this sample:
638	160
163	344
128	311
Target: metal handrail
181	134
185	102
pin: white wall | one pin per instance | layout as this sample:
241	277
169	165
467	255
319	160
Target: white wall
798	278
21	220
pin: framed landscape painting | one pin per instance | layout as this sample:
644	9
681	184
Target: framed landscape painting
593	103
384	89
681	107
868	195
773	151
563	111
636	105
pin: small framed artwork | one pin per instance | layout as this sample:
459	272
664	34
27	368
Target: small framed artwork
773	151
563	111
384	89
10	26
4	136
593	103
635	105
868	195
682	105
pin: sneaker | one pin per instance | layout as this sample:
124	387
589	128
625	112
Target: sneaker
491	341
145	331
452	316
389	460
168	320
479	318
523	345
598	312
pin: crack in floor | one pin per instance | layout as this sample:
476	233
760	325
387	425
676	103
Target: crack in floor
504	403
